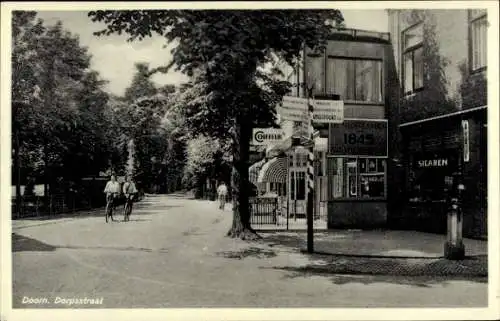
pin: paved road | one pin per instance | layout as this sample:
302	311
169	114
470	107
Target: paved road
173	253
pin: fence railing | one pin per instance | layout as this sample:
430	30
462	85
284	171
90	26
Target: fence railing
264	210
56	204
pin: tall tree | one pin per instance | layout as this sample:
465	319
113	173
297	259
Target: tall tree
57	102
223	50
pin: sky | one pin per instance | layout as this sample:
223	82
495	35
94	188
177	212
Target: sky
114	58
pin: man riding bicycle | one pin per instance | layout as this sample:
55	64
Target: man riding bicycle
130	191
112	191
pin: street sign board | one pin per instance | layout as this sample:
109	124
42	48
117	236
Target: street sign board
292	108
358	137
328	111
267	136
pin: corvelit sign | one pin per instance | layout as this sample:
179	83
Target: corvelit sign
267	136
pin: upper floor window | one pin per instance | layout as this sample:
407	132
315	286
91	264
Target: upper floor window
478	27
355	79
316	73
413	64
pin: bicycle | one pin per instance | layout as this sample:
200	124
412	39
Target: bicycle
128	208
110	207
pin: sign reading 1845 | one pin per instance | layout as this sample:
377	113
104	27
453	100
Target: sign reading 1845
359	138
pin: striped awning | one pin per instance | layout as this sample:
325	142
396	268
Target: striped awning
274	171
253	171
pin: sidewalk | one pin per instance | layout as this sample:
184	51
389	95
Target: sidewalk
402	253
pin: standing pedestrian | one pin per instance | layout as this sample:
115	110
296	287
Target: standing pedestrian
222	193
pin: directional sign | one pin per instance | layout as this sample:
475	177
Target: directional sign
292	108
328	111
267	136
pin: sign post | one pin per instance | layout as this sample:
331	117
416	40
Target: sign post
310	179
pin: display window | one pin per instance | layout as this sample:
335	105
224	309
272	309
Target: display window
357	178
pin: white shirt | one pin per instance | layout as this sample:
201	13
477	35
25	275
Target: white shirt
129	188
112	187
222	190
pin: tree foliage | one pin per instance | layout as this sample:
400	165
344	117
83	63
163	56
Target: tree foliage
58	102
222	51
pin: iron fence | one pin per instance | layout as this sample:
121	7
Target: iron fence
264	210
56	204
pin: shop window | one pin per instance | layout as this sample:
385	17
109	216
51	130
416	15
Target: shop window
355	79
413	64
430	175
358	178
478	39
319	164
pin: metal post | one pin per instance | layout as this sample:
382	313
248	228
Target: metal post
454	248
310	179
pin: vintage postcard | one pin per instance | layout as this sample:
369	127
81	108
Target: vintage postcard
250	160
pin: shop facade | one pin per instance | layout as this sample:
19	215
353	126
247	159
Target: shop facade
441	118
354	68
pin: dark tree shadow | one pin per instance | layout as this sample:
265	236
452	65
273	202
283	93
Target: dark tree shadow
22	243
349	277
256	252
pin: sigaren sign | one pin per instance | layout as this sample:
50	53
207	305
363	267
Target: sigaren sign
425	163
267	136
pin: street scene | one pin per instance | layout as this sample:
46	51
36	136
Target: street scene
231	158
173	253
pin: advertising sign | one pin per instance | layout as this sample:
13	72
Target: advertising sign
358	138
267	136
293	109
328	111
441	160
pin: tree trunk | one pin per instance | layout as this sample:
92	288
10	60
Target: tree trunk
239	183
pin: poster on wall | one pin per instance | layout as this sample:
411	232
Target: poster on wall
338	179
358	138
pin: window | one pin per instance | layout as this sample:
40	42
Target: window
297	185
319	163
354	79
368	80
413	64
360	178
478	27
316	73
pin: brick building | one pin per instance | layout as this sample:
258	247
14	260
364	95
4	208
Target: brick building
440	112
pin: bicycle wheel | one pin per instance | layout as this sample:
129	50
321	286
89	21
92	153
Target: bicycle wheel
126	212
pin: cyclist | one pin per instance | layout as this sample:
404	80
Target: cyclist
130	191
112	190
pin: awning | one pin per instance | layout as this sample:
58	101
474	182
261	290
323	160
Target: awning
274	171
253	171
